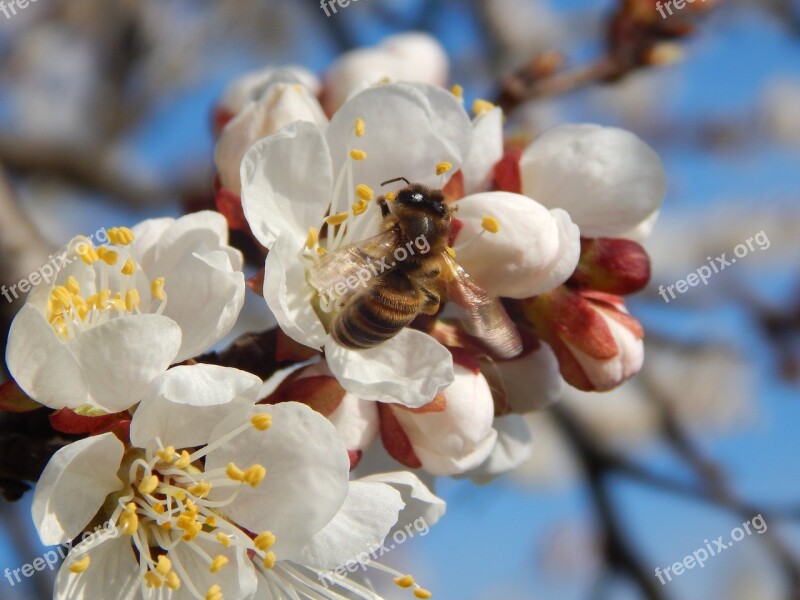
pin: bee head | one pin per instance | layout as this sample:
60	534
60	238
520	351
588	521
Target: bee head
420	197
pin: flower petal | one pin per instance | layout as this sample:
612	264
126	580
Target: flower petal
74	486
41	363
532	381
514	446
287	179
182	406
122	356
607	179
289	296
485	152
409	369
534	251
237	579
365	519
307	473
113	571
421	502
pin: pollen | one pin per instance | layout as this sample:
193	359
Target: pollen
152	580
406	581
214	593
490	224
360	207
173	581
360	127
422	593
120	236
337	219
390	196
107	255
211	521
132	300
443	167
481	106
201	489
157	288
255	475
264	540
72	285
87	253
183	461
321	251
167	454
164	565
129	268
235	473
364	192
269	560
129	520
451	252
148	485
218	562
457	91
262	422
224	539
312	238
357	154
79	566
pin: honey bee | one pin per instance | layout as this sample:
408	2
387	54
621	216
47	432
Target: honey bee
384	282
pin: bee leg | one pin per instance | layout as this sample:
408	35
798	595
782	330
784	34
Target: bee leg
384	206
432	302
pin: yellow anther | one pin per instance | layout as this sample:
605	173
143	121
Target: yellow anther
87	253
364	192
103	298
129	522
148	485
298	88
163	566
312	238
173	581
361	127
457	91
192	532
120	236
130	507
191	508
357	154
234	472
166	526
264	540
129	268
185	521
262	422
224	539
73	286
422	593
201	489
180	495
211	521
451	252
80	565
321	251
214	593
159	509
132	300
269	560
443	167
255	475
481	106
153	580
360	207
337	219
218	562
183	461
167	454
107	256
390	196
118	305
157	288
406	581
490	224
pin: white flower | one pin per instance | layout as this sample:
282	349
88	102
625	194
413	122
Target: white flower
117	315
413	57
607	179
451	435
535	250
297	180
217	498
278	105
251	86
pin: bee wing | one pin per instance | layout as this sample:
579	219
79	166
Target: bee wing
352	260
482	316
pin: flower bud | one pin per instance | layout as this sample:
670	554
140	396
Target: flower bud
280	105
614	266
597	343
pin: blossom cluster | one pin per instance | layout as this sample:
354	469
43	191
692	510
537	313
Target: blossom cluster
225	483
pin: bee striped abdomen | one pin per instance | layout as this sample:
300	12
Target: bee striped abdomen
378	313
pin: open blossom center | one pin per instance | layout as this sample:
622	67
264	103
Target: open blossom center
166	505
112	284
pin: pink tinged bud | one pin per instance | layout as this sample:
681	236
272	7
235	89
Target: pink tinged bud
597	343
507	176
395	439
614	266
320	392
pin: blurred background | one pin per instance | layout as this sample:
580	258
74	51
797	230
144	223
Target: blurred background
105	119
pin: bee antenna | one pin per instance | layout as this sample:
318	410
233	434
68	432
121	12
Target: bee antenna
396	179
